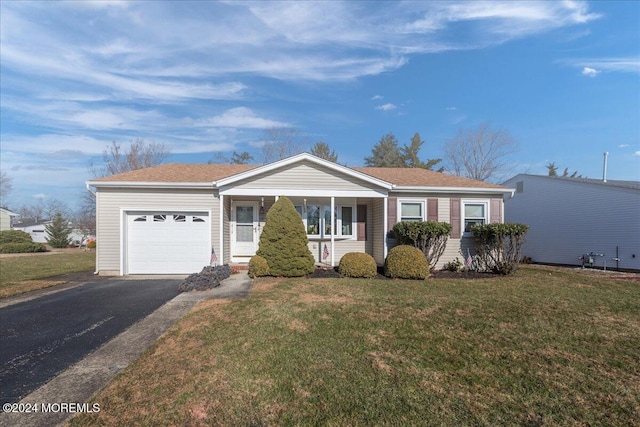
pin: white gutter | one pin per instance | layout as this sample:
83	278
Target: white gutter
478	190
142	184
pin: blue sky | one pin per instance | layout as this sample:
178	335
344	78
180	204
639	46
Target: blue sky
563	78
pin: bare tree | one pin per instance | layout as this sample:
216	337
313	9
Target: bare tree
282	142
140	155
322	150
44	209
481	153
6	185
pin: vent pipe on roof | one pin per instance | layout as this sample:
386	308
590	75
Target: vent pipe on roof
604	167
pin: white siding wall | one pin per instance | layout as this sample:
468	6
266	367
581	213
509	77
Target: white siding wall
567	219
109	203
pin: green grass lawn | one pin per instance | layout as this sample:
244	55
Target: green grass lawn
24	273
545	347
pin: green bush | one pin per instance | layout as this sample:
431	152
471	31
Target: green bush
358	264
91	244
428	236
258	267
58	232
455	265
406	262
499	246
284	243
14	236
21	248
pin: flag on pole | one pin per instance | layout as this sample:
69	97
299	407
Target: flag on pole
469	259
214	257
325	252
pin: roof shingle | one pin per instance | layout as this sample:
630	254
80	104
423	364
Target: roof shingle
200	173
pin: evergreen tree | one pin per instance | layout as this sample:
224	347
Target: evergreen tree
322	150
241	158
552	168
284	243
385	154
58	232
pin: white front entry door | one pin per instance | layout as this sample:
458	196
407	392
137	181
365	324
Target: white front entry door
244	233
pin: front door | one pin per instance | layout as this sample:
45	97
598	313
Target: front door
244	217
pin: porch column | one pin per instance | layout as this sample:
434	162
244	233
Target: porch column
333	228
221	232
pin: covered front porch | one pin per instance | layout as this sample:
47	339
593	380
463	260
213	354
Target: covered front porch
335	225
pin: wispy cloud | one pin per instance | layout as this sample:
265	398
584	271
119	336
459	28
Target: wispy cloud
376	97
591	67
240	117
623	145
637	153
451	108
386	107
590	72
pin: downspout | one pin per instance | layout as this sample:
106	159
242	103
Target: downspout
95	272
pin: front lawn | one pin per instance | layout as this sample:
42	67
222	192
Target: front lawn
25	273
546	347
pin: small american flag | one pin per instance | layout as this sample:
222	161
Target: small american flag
214	257
325	252
469	259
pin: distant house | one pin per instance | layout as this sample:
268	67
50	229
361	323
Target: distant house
569	217
6	217
38	232
35	229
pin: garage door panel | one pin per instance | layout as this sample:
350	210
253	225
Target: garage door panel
167	243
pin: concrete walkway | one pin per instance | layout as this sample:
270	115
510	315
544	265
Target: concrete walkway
83	380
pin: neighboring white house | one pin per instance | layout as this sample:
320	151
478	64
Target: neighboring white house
38	232
6	218
35	229
177	218
569	217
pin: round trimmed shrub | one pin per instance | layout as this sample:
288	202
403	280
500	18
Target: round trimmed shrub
358	264
21	248
258	267
14	236
91	244
406	262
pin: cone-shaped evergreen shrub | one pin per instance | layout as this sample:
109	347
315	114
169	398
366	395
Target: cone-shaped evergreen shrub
284	243
58	232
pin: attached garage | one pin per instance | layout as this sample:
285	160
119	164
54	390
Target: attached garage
167	242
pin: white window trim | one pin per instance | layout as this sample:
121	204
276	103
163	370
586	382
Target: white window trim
338	220
487	214
422	202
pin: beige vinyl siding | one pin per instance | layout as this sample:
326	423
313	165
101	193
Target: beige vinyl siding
455	247
305	176
226	225
110	202
378	232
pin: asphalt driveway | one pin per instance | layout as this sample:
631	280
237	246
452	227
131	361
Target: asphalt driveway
42	337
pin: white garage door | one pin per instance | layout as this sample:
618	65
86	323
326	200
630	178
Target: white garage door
167	243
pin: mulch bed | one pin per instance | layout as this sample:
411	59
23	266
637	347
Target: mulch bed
332	273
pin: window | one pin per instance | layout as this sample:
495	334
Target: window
474	214
180	218
411	211
159	218
318	218
198	219
142	218
346	220
313	219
